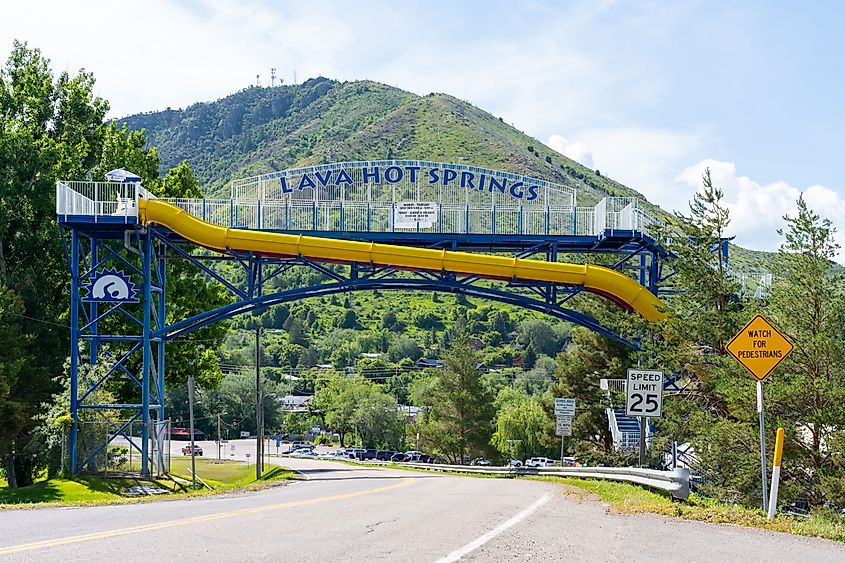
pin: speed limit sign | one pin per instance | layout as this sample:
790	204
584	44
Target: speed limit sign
644	393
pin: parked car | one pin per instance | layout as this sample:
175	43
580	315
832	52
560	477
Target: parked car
354	453
303	452
539	462
400	457
186	450
514	463
569	462
370	454
481	461
385	455
299	444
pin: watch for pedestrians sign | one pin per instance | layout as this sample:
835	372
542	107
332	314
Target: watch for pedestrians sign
759	347
564	407
644	393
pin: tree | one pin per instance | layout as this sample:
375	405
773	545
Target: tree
537	334
50	128
521	423
461	409
388	319
808	390
404	347
348	319
357	405
591	358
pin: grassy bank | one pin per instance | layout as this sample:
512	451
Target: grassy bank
221	476
632	499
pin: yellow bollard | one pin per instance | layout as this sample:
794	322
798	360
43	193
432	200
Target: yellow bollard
773	495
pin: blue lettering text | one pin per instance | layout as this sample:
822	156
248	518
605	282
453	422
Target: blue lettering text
306	182
393	175
374	174
343	178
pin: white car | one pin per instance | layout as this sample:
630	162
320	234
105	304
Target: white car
539	462
303	452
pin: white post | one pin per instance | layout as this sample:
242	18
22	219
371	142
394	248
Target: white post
773	497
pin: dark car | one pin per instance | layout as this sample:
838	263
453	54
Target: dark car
385	455
400	457
370	453
186	450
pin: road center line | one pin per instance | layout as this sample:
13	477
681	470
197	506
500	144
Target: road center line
194	520
481	540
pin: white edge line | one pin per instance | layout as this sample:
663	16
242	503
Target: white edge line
481	540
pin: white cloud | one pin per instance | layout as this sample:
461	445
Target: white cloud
645	159
757	209
579	152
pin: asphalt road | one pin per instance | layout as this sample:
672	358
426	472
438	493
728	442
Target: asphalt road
341	512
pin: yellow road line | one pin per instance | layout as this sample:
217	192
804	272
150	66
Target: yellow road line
193	520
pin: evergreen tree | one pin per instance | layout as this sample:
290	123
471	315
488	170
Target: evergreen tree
807	392
461	407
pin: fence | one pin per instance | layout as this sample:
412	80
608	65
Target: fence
122	454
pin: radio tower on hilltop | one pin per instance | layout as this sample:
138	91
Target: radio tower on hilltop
272	76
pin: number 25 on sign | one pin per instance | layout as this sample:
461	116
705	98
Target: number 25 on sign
644	393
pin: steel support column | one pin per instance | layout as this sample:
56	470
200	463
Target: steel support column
146	267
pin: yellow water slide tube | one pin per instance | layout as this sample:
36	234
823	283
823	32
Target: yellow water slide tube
596	279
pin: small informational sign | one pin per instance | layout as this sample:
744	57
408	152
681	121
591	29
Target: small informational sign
563	427
644	393
410	214
759	347
564	407
244	434
232	449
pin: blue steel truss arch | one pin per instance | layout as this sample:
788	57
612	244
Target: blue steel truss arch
136	351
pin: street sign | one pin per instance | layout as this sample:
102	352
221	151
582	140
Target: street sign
759	347
644	393
564	407
564	426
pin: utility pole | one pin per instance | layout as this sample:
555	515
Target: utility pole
191	414
258	408
219	442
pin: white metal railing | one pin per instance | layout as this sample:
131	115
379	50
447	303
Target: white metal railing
98	200
676	481
112	199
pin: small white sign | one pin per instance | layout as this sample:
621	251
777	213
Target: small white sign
564	407
410	214
244	434
564	426
644	393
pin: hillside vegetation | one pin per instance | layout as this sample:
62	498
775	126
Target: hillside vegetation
264	129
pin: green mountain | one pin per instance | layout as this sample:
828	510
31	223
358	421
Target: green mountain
264	129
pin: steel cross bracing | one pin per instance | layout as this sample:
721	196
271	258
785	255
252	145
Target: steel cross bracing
256	273
115	340
128	340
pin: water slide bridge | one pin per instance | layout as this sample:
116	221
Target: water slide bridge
393	225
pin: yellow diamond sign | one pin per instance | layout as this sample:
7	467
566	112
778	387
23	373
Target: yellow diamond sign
760	347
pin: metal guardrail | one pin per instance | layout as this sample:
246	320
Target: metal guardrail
676	481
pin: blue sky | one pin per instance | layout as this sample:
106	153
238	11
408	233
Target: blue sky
648	92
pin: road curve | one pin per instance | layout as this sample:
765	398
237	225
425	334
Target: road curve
343	512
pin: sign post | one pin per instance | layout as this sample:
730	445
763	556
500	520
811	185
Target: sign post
644	398
564	413
760	347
